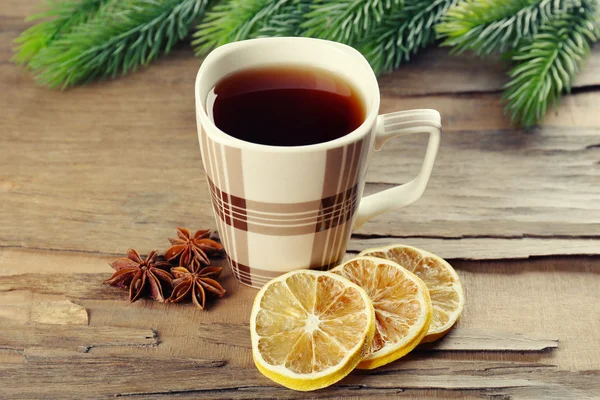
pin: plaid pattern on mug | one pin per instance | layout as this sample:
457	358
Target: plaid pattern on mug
253	229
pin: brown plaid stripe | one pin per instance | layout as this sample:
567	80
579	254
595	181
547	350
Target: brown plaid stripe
251	276
331	212
343	166
322	226
258	277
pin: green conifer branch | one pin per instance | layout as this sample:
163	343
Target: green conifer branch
345	20
287	21
59	18
403	31
79	40
124	35
497	25
547	63
233	20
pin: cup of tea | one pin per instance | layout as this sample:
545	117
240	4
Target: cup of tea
287	128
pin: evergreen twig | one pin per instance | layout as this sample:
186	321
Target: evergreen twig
63	16
547	63
80	40
234	20
345	20
124	35
287	21
402	32
498	25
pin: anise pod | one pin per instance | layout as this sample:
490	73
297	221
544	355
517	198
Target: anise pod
197	247
193	282
140	275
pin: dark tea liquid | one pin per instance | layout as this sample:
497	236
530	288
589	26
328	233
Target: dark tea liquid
285	106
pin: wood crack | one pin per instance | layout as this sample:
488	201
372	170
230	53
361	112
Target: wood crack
82	338
191	391
459	237
585	89
470	93
524	368
68	251
86	348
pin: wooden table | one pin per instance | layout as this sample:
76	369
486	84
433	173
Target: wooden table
87	173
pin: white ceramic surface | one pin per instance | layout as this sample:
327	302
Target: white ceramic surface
282	208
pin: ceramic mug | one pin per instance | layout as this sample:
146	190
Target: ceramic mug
283	208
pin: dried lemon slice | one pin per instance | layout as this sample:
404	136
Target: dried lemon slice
447	297
309	329
401	302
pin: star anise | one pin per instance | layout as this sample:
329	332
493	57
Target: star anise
140	275
193	282
188	248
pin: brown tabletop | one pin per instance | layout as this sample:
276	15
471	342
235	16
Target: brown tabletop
89	172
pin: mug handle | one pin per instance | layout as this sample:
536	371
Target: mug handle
400	124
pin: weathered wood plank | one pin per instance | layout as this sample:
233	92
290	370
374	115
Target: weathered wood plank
484	248
86	183
11	356
485	340
463	73
123	376
19	261
74	337
24	307
82	179
451	73
538	289
505	184
485	184
485	111
40	356
460	339
545	292
75	286
498	184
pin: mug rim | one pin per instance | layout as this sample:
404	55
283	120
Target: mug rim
217	134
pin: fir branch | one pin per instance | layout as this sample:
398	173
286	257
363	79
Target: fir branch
235	20
345	20
403	31
63	16
128	33
488	26
547	63
287	21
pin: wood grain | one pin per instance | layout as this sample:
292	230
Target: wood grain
81	338
125	377
452	74
496	184
487	340
531	298
87	173
460	339
82	174
133	169
205	354
485	184
492	248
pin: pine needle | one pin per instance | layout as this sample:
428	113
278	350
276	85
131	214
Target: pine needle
546	64
547	40
287	21
497	25
345	20
64	15
123	35
233	20
403	31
